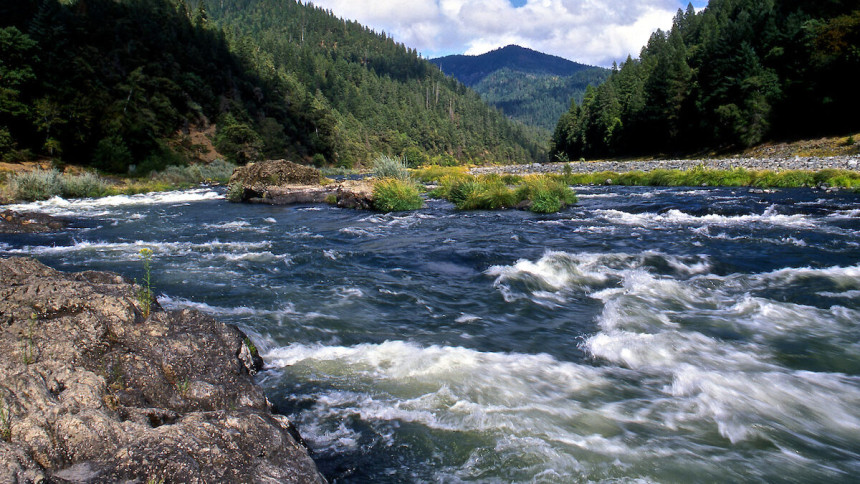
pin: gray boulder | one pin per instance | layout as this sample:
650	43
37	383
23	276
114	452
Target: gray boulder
94	392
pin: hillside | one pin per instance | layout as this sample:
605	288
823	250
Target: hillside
128	84
381	97
120	84
736	74
472	69
529	86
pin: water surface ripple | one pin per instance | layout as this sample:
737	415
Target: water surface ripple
648	334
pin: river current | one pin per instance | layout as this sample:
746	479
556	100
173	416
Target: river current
644	334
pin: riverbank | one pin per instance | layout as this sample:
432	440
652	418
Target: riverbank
94	389
776	164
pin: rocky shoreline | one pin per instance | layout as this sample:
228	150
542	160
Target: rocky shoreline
95	391
774	164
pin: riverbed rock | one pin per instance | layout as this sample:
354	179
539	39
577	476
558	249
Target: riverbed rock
20	223
280	182
275	173
94	391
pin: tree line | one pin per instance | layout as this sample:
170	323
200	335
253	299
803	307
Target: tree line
733	75
119	84
379	96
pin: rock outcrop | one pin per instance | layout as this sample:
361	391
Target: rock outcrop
93	392
281	182
18	223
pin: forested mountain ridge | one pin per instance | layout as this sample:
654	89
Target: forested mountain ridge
115	84
733	75
529	86
382	97
472	69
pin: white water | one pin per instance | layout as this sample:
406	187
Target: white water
633	338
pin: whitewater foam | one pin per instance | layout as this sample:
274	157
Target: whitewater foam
677	217
98	207
131	250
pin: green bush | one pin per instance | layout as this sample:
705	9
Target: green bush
36	185
396	195
85	185
217	171
385	166
235	192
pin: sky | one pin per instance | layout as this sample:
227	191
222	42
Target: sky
594	32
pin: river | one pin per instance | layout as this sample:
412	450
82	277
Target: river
643	334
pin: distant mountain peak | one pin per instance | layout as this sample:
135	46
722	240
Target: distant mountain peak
471	69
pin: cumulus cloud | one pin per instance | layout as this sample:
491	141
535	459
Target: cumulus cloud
595	32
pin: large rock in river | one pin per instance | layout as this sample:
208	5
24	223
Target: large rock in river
280	182
93	392
275	173
20	223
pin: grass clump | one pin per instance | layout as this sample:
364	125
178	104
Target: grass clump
385	166
144	294
396	195
547	194
540	193
435	173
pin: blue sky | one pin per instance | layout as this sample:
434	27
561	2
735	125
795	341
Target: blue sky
595	32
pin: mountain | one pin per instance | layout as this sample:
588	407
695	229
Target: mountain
529	86
472	69
733	75
122	83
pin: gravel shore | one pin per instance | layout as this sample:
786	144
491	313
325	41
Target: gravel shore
775	164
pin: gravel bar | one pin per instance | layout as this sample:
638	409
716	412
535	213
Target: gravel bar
774	164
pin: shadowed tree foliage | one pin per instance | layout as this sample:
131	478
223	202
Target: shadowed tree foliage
733	75
115	83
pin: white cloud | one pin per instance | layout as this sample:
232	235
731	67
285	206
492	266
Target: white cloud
594	32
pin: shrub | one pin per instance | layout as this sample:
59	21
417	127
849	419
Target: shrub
385	166
850	141
216	171
144	293
36	185
235	192
395	195
85	185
